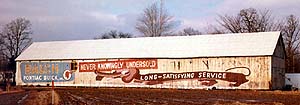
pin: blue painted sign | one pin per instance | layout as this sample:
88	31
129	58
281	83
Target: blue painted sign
46	72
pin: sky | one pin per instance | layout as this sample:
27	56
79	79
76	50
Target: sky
54	20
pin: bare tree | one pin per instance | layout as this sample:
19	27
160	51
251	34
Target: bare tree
155	22
3	61
16	37
189	31
213	29
1	45
247	21
290	32
114	34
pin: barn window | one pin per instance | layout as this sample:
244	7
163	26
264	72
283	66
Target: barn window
206	63
174	65
178	65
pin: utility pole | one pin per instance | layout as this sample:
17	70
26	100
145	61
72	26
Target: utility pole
52	93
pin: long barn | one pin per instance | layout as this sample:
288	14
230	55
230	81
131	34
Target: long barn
225	61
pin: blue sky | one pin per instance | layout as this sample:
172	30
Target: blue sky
84	19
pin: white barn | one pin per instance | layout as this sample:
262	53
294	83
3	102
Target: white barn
225	61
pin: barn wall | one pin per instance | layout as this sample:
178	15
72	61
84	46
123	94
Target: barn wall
278	66
192	73
278	73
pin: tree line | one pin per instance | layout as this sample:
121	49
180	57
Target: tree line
155	21
14	38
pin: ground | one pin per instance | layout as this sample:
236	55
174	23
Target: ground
142	96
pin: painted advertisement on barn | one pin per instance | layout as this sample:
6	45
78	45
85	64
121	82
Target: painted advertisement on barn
118	65
46	72
206	78
242	73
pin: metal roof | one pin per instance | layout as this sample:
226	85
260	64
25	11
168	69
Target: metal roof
240	44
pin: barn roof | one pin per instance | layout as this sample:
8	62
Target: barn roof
241	44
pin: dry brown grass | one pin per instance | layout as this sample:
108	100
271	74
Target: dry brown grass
41	98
